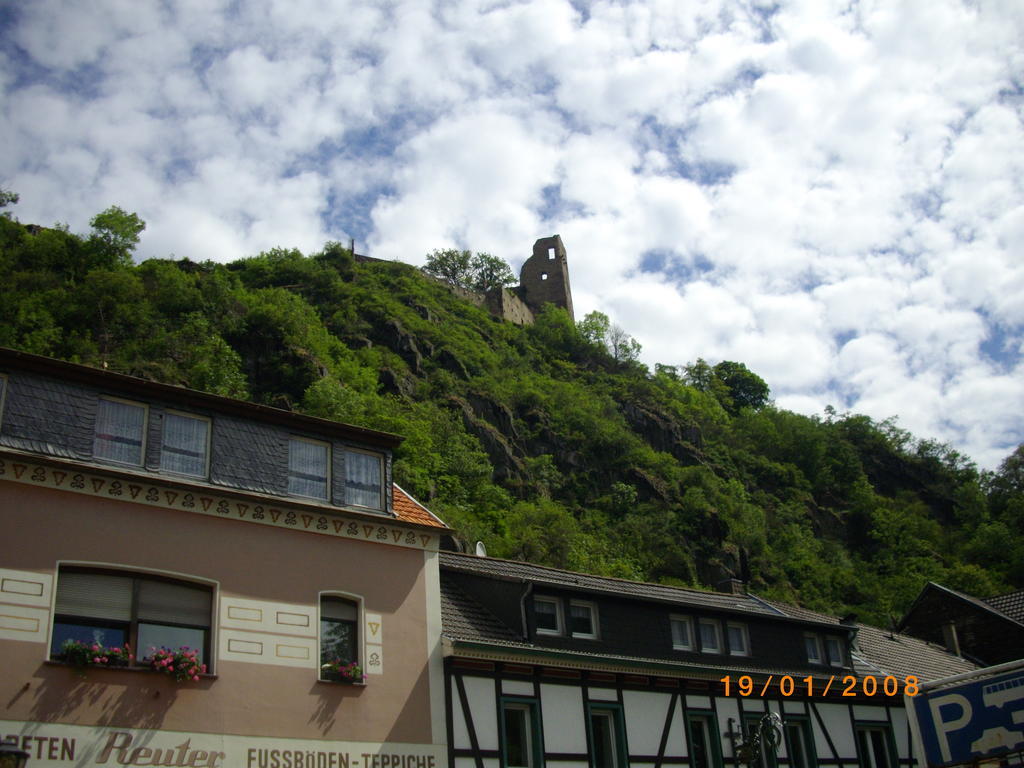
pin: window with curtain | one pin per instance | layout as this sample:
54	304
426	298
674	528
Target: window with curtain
364	484
682	633
120	431
185	444
710	636
113	608
583	619
308	463
739	639
548	611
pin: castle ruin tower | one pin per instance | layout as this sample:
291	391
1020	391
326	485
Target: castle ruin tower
545	276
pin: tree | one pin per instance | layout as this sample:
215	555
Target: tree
490	272
8	198
451	265
594	328
623	347
474	272
116	233
746	388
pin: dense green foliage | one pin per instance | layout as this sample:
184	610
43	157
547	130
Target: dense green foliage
549	442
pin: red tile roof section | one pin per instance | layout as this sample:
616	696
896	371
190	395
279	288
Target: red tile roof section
411	511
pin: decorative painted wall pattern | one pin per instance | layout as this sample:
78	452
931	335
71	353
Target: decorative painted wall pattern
262	632
374	633
152	494
24	605
252	630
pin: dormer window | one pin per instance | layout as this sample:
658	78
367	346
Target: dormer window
682	633
834	648
548	611
710	636
308	462
120	431
185	446
812	644
583	619
364	485
739	640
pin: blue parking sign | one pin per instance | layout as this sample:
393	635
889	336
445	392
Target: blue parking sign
970	717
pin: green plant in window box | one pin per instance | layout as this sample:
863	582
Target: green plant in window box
82	655
342	672
182	664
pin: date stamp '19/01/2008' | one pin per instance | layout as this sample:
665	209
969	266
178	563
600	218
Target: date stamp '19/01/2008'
848	685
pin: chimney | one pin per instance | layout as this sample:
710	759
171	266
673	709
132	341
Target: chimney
732	587
949	638
849	620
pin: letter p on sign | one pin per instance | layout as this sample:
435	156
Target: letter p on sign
943	725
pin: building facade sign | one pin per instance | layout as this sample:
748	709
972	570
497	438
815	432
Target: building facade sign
74	746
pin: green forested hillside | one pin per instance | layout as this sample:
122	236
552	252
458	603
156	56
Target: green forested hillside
536	440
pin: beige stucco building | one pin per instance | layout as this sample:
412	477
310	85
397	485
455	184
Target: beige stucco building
268	542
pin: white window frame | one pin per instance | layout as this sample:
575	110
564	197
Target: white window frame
594	626
145	430
717	626
327	485
559	617
838	661
382	505
688	622
206	446
360	627
816	639
745	650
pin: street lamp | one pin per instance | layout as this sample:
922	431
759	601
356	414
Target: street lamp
12	757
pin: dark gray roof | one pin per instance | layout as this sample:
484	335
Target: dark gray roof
463	618
1011	605
519	571
878	651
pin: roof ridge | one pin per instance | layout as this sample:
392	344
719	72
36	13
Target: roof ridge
618	579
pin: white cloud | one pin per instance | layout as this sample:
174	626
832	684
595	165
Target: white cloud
834	190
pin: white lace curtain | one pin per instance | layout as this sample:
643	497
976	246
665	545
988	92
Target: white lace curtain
119	432
184	445
363	479
307	469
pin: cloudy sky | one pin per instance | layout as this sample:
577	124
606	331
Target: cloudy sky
830	192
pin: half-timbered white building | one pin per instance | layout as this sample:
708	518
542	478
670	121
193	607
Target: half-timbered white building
545	667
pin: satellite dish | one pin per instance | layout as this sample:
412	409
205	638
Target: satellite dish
481	550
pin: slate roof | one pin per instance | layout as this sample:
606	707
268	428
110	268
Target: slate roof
408	510
877	651
463	618
881	652
1011	605
519	571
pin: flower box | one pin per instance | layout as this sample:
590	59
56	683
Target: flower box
340	672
